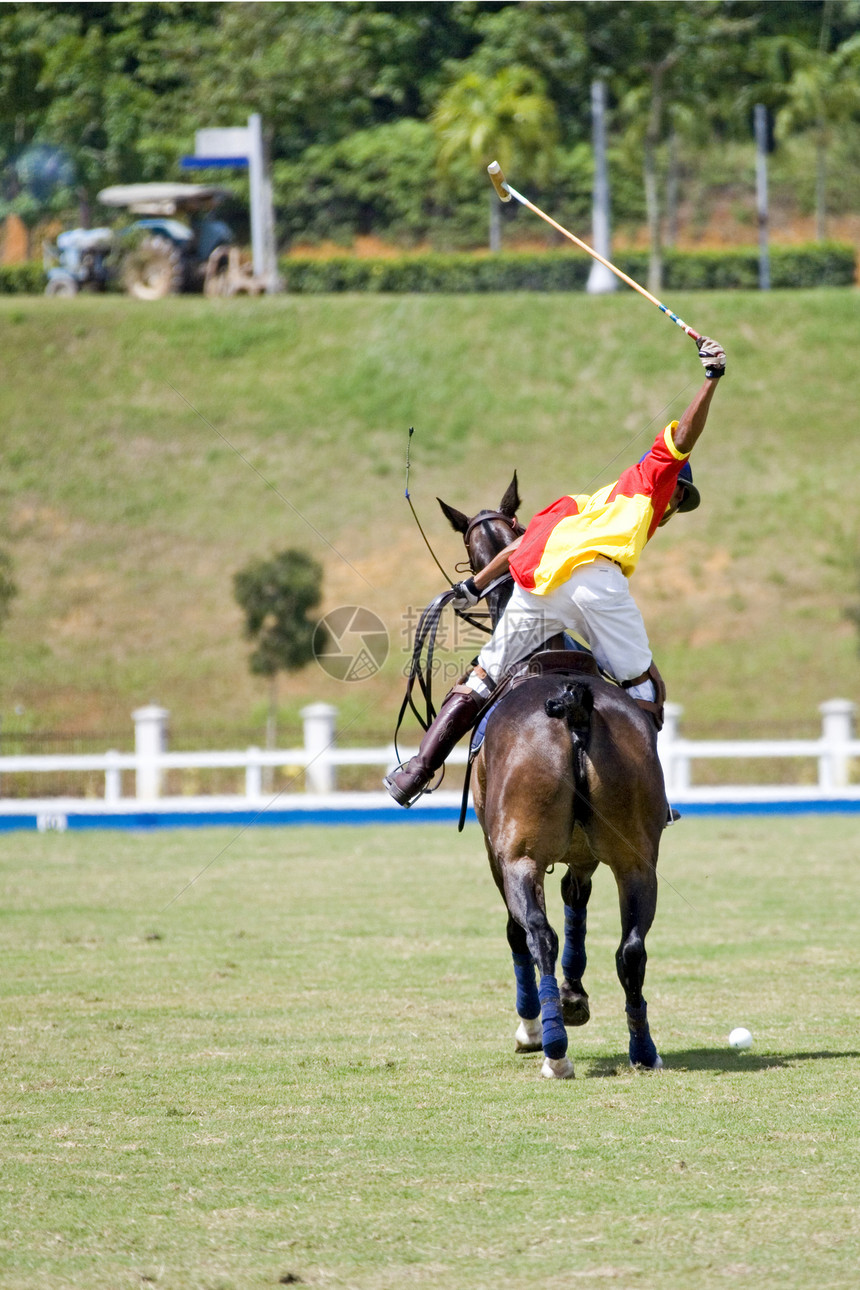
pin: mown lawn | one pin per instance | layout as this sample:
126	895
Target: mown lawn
287	1056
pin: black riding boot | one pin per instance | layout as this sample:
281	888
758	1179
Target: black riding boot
456	716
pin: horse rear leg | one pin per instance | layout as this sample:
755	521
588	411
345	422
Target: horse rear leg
575	893
638	897
528	1036
524	897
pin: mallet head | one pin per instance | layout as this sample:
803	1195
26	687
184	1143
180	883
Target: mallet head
494	170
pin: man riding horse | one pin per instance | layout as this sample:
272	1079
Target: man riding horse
570	570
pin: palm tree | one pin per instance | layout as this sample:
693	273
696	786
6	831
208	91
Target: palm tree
506	118
822	93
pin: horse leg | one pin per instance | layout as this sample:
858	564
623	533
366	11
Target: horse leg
528	1036
525	900
638	896
575	892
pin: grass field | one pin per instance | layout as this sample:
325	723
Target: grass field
287	1057
150	452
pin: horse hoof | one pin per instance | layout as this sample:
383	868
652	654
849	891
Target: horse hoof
557	1068
574	1008
656	1065
528	1036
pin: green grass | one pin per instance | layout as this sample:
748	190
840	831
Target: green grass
150	452
301	1065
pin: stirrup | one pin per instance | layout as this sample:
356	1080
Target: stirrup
400	795
672	817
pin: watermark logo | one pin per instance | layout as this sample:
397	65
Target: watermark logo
351	643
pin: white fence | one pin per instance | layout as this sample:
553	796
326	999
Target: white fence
835	754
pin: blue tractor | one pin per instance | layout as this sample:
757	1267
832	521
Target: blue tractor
158	255
79	260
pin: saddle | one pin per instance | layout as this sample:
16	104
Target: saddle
552	662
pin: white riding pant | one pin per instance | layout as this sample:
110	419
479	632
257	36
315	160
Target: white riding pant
594	605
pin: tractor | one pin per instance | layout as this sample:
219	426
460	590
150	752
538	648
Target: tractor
159	255
79	260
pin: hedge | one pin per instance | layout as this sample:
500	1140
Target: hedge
821	264
21	279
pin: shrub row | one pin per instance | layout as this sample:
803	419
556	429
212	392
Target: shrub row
825	264
822	264
21	279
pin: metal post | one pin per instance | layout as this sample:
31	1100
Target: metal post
319	722
262	216
150	741
761	195
837	730
600	279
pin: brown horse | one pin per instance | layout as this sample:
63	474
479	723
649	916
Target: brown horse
567	774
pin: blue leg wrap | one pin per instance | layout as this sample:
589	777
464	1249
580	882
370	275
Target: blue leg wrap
573	960
554	1035
643	1050
528	999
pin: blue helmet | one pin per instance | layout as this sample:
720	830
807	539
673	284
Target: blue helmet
693	496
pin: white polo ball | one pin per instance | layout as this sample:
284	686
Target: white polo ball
740	1038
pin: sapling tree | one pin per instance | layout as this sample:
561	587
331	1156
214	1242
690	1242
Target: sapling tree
8	589
276	597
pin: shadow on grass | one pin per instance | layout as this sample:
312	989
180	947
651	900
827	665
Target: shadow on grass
718	1060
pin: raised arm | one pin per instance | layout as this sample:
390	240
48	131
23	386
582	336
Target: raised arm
692	422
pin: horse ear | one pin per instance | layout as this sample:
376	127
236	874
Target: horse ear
510	503
455	518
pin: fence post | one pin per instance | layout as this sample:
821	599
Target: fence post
319	721
676	766
837	730
253	775
150	741
113	777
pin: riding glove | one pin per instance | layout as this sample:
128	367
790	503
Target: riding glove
713	357
466	594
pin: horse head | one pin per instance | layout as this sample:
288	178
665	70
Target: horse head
486	534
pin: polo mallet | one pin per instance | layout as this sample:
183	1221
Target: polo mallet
506	192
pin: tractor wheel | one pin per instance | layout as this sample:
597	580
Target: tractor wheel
216	280
154	270
61	285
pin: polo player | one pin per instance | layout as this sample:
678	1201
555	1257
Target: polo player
570	569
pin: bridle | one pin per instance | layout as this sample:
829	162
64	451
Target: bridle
510	520
421	667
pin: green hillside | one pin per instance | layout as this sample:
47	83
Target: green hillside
148	452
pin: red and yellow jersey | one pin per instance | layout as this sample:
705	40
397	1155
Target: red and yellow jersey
615	522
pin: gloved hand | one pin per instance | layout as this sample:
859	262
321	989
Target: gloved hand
713	357
466	594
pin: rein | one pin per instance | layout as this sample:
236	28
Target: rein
423	651
421	665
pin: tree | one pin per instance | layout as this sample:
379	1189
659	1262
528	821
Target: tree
276	596
506	118
8	589
675	71
822	93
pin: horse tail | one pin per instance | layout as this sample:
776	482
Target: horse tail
575	704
